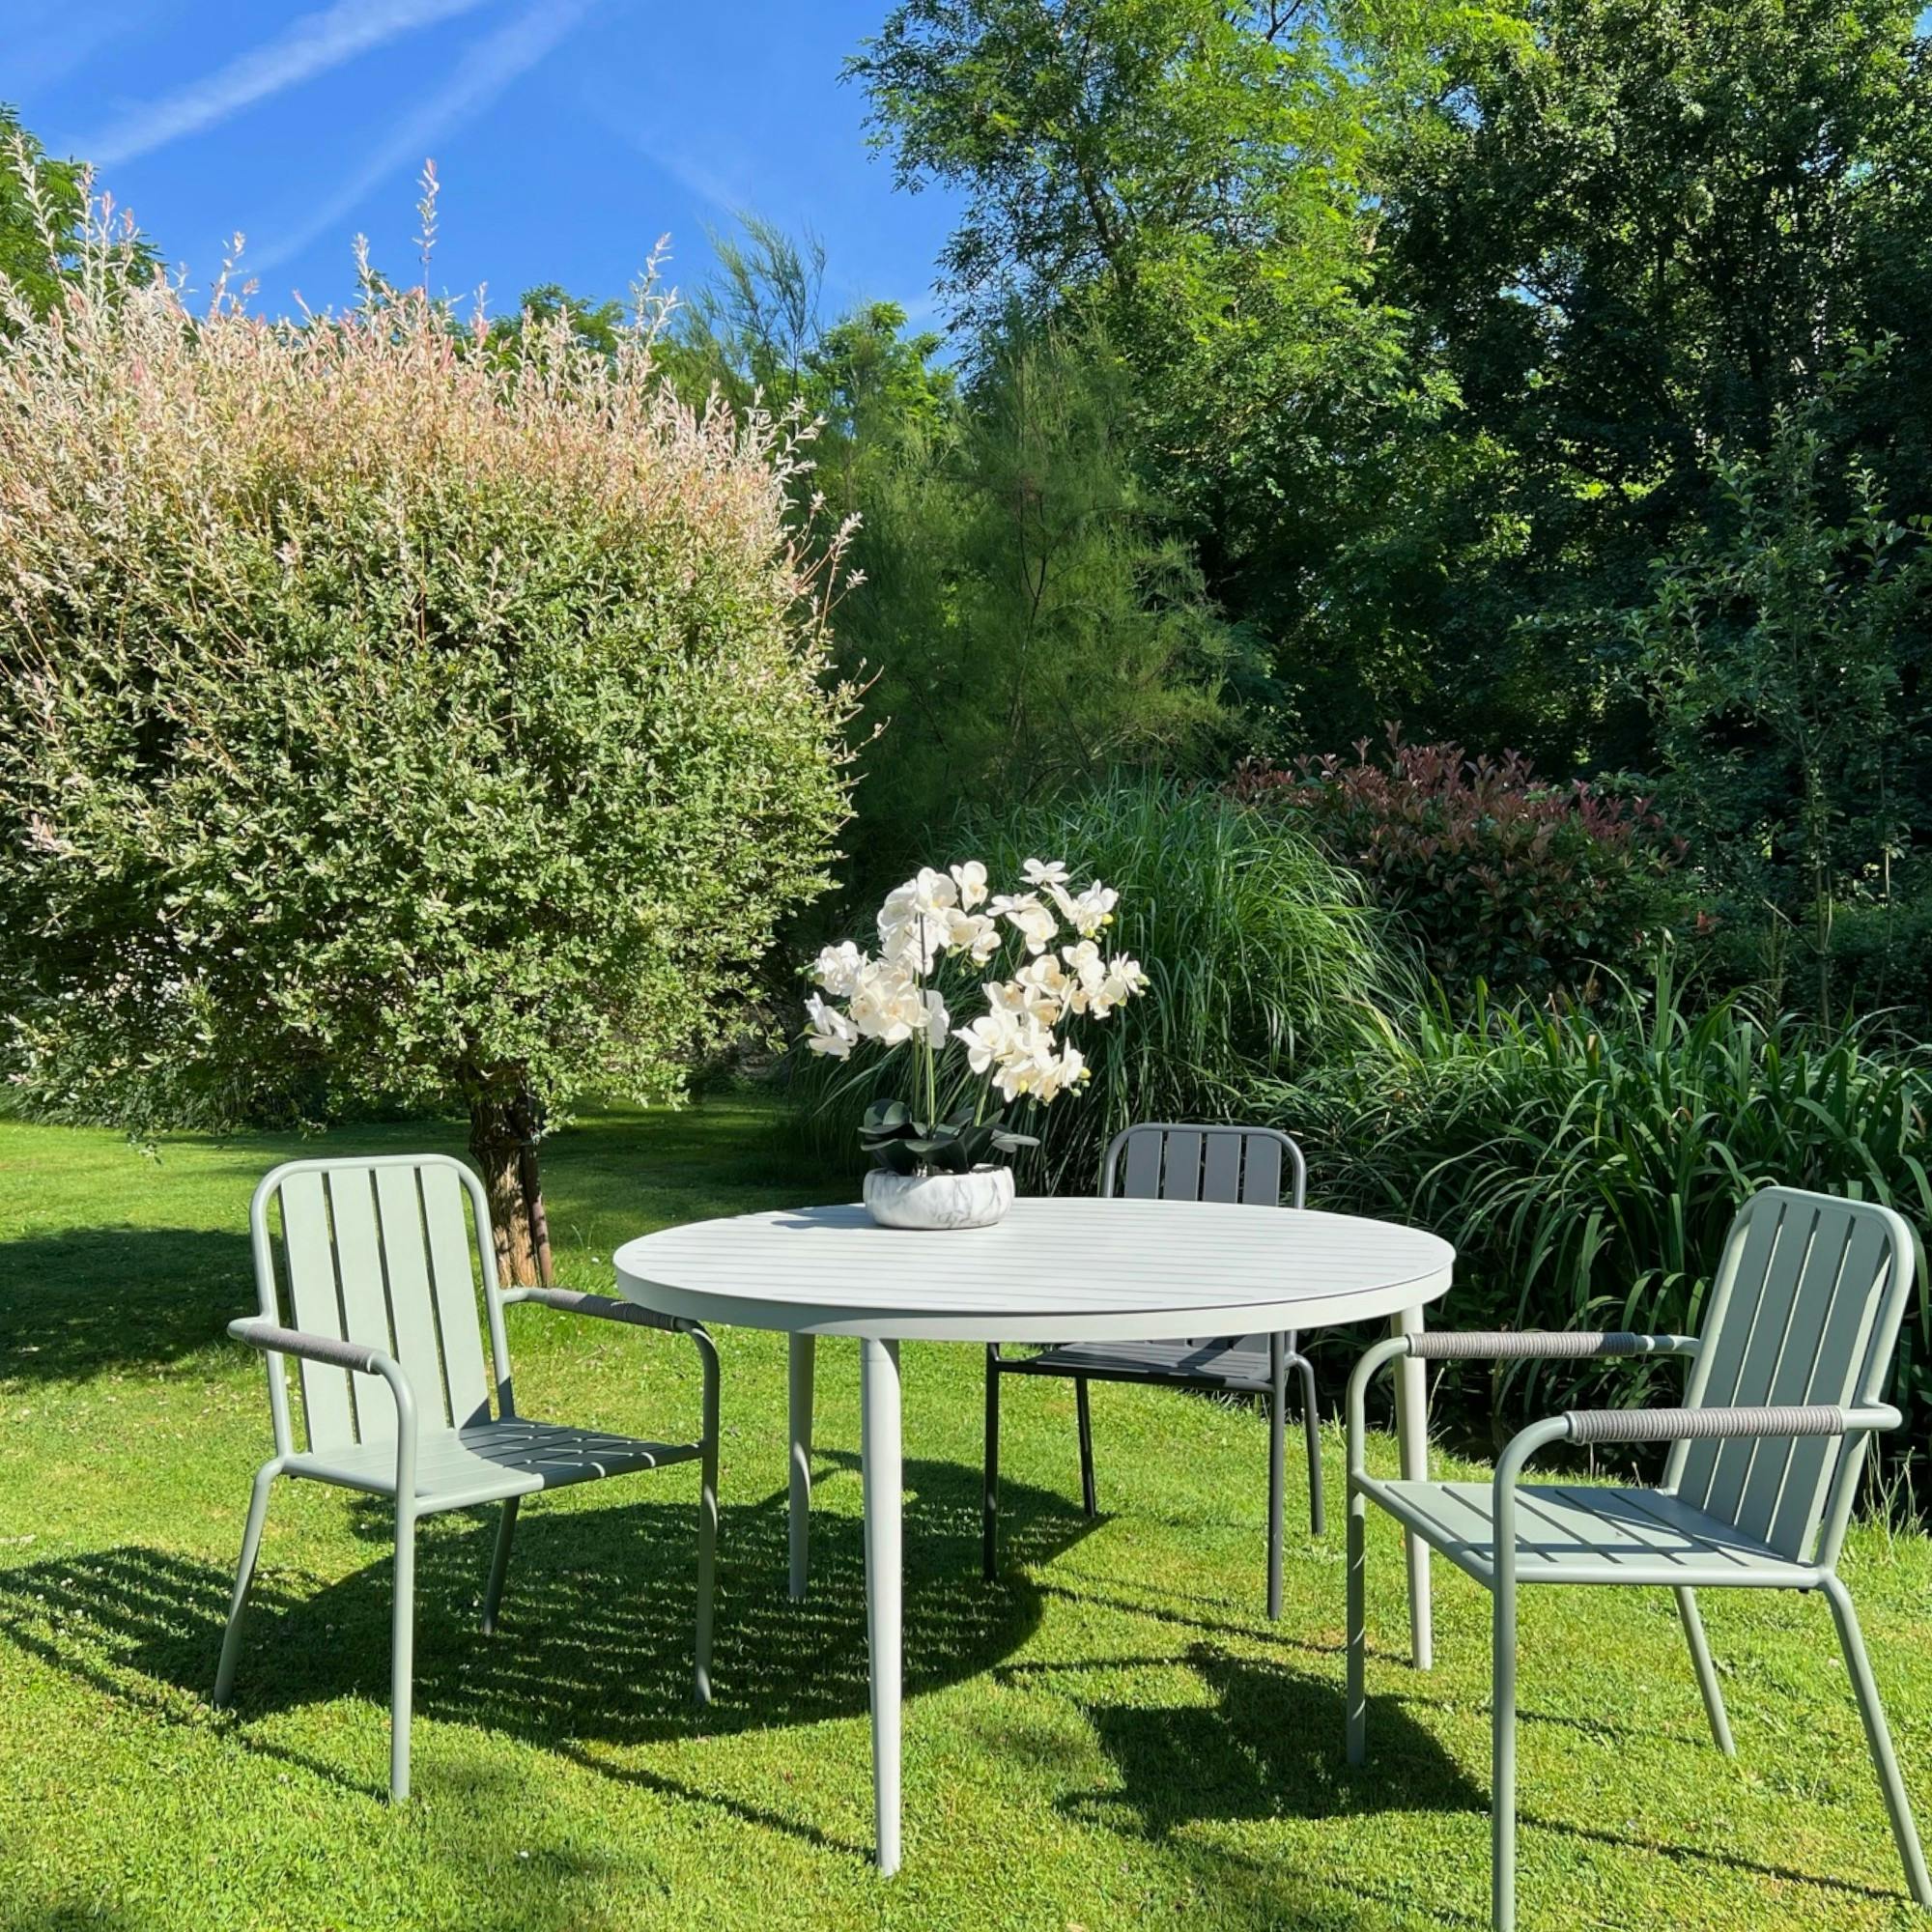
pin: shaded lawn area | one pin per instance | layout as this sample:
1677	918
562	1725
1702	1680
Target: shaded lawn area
1112	1735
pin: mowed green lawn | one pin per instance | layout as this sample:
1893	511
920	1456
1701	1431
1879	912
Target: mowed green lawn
1111	1736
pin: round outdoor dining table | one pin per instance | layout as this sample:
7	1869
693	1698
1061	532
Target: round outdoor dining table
1053	1270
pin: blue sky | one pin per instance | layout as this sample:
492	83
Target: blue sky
569	134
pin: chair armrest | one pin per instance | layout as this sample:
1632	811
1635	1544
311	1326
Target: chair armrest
1546	1345
608	1308
1688	1425
259	1332
1500	1345
604	1307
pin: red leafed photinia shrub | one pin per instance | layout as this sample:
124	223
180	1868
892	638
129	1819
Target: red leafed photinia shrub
1496	873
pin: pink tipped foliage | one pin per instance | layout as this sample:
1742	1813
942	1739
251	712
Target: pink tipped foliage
1498	875
386	710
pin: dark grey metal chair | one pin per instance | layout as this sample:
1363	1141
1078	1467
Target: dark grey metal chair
1160	1160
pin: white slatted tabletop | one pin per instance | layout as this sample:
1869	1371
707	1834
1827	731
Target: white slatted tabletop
1053	1270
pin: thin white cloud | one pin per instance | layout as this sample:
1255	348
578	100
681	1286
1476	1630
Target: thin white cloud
483	72
310	45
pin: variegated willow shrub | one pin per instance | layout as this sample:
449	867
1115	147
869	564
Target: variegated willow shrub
387	715
1587	1162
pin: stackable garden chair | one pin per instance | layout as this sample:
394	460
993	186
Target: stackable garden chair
380	1272
1766	1452
1158	1160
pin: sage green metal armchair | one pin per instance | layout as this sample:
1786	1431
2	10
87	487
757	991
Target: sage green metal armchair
380	1272
1765	1457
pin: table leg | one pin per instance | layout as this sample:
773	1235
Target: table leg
804	1350
879	1451
1411	1411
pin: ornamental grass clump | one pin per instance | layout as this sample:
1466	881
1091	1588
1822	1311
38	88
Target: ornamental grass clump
1586	1164
388	714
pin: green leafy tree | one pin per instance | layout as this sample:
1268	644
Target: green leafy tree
1021	619
1637	238
1199	181
378	725
600	327
42	218
1786	652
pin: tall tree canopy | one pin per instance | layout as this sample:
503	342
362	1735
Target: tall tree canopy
1634	241
383	722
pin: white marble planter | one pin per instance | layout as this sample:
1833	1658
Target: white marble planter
936	1200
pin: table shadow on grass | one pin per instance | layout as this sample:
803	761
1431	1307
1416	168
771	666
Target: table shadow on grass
594	1642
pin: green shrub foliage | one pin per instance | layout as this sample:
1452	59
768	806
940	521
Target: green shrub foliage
382	721
1498	876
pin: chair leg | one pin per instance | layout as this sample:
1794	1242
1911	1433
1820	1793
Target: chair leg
401	1651
244	1580
1707	1671
1277	1463
1355	1703
1502	1760
1311	1427
707	1523
1088	1500
1878	1736
500	1563
989	1499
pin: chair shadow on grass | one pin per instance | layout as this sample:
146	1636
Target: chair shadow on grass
1267	1743
593	1647
1271	1744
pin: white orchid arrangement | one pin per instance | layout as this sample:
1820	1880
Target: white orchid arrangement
938	933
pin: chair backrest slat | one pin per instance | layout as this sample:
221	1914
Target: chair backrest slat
315	1299
450	1256
1162	1160
1794	1294
1180	1165
1221	1169
1809	1297
1260	1172
1158	1160
379	1251
1141	1180
1786	1493
365	1307
391	1193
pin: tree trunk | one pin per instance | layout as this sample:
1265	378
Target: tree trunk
503	1142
